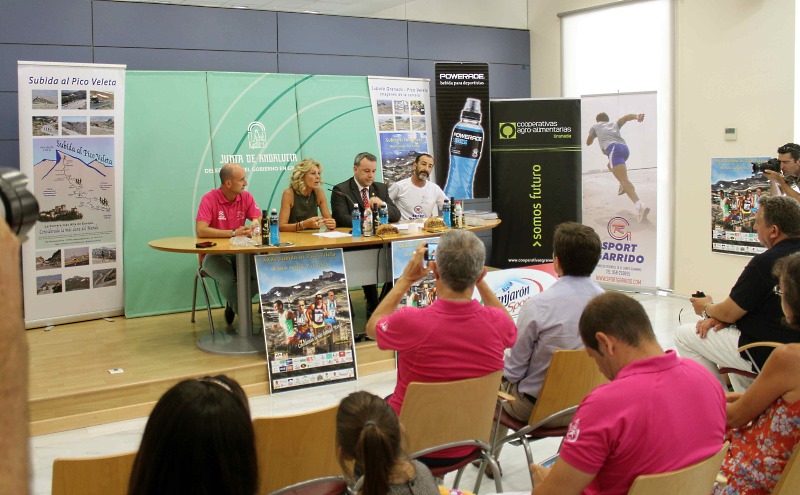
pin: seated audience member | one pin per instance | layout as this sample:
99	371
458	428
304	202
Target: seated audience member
303	201
455	337
13	370
659	413
199	439
222	213
368	434
548	321
751	312
766	418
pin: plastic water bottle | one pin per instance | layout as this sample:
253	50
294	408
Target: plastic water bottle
356	221
274	228
458	216
255	232
446	213
366	228
466	143
384	214
264	228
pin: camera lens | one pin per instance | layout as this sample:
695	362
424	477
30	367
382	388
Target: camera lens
17	205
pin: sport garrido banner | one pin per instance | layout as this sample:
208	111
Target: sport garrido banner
71	131
535	176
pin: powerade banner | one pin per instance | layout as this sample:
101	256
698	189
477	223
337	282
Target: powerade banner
536	156
70	138
401	110
462	122
307	325
182	126
619	185
735	196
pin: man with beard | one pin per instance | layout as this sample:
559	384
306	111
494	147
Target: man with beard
417	197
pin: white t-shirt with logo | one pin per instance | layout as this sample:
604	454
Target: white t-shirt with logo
416	201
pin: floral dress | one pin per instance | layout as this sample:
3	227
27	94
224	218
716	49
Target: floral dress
760	450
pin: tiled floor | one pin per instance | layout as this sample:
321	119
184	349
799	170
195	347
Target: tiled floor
124	436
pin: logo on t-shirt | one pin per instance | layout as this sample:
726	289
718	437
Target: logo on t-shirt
384	325
221	215
573	432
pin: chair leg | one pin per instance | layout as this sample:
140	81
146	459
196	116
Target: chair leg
194	295
458	476
527	444
498	484
208	305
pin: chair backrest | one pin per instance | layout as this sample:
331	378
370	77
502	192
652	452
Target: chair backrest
329	485
789	484
445	412
107	475
296	448
697	479
570	378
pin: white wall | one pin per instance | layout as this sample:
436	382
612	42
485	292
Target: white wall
734	67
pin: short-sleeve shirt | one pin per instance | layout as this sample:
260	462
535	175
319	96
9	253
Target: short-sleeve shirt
219	213
416	202
658	414
446	341
753	293
607	133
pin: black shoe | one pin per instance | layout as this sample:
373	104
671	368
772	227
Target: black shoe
229	314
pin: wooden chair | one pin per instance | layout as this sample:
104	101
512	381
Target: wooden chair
697	479
328	485
789	484
439	416
297	448
107	475
570	377
746	349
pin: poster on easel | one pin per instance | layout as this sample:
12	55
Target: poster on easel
305	312
71	142
401	110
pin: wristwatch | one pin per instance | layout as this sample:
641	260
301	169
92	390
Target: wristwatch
233	233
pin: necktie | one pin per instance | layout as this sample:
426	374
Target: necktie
364	198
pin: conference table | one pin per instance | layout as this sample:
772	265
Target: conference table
361	257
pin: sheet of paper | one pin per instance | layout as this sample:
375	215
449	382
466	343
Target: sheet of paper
332	234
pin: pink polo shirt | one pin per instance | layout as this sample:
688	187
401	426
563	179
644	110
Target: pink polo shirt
659	414
446	341
219	213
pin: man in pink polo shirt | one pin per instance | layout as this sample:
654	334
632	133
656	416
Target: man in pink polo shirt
659	413
455	337
222	213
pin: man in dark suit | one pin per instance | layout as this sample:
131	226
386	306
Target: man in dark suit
360	189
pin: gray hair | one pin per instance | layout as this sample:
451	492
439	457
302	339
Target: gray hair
783	212
364	154
459	259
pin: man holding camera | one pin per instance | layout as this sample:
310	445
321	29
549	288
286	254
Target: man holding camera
455	337
789	156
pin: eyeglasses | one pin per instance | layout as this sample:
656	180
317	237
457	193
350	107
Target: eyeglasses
777	290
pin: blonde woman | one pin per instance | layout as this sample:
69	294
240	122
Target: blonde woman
303	204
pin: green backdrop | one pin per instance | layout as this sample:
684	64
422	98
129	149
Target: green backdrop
181	126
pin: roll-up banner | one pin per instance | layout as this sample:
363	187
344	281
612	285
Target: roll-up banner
401	110
462	123
620	186
70	138
536	157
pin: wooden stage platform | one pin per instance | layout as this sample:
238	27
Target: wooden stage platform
70	383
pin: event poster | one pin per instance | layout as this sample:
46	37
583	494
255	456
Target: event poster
514	286
735	195
307	323
71	141
462	123
624	217
535	177
401	110
423	292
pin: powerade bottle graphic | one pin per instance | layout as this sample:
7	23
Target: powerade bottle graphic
446	213
465	151
384	214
